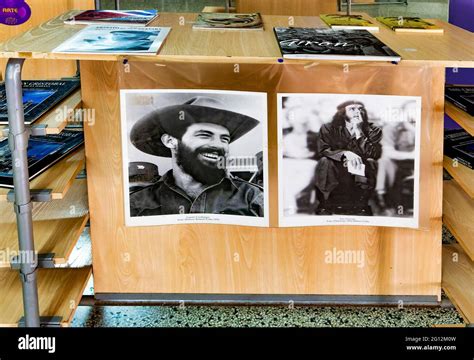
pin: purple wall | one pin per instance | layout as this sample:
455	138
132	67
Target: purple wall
461	13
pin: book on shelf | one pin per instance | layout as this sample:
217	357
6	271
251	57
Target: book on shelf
348	22
329	44
409	24
114	17
228	21
459	145
125	40
461	96
39	96
43	152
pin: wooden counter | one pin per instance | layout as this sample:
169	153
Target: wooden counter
201	259
454	48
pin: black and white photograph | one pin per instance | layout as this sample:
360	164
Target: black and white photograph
349	159
194	156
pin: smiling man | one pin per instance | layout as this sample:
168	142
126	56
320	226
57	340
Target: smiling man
196	136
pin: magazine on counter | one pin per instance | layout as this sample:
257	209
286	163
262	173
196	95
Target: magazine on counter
409	24
43	152
329	44
115	40
38	97
461	96
114	17
228	21
348	22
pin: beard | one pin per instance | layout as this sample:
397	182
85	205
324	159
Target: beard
205	172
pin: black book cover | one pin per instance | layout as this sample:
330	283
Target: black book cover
465	154
458	145
43	152
38	97
313	43
461	96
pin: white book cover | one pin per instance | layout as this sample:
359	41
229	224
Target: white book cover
115	40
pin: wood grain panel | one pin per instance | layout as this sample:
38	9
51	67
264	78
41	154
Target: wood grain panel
454	48
57	225
41	11
458	277
285	7
461	117
59	292
463	175
458	212
241	260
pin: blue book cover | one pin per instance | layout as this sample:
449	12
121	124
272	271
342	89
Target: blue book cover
38	97
43	152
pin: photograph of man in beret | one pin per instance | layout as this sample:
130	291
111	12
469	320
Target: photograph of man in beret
195	137
347	144
342	149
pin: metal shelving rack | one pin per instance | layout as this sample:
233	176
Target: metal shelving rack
18	136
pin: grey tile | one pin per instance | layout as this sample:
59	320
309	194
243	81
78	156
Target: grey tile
259	316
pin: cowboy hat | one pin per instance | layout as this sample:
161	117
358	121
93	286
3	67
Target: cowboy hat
174	120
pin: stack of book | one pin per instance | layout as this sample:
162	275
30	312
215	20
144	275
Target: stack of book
40	97
124	32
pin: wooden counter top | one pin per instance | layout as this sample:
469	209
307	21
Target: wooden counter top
454	48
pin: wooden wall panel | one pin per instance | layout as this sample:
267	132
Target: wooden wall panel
41	11
242	260
287	7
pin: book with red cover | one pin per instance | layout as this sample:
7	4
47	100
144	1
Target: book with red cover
114	17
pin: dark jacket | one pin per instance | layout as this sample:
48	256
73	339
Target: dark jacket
232	196
334	140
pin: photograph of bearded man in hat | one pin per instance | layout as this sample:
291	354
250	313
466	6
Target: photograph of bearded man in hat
195	137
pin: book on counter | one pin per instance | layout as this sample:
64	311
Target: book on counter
409	24
348	22
95	39
114	17
39	96
329	44
43	152
459	145
461	96
228	21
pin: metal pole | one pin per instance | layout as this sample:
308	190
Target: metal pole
349	7
18	141
117	4
97	4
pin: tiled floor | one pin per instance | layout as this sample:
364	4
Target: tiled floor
271	316
262	316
